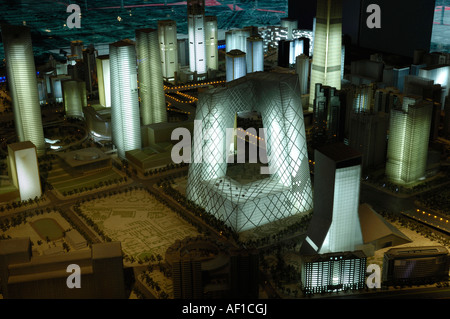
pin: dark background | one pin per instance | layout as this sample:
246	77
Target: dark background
406	25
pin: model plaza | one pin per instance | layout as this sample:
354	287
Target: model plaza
223	150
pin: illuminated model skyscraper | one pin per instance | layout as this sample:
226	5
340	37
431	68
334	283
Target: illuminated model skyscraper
57	89
74	93
167	33
151	86
237	39
326	61
409	132
300	46
104	80
363	98
255	54
23	169
125	121
196	31
21	74
235	65
440	74
211	42
287	190
333	272
335	225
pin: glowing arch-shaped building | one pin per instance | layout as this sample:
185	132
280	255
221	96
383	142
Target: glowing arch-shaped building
283	193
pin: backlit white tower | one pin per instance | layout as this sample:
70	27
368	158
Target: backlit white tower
151	86
211	41
104	80
23	169
235	65
21	74
74	93
125	121
326	62
409	132
196	31
237	39
167	33
296	49
255	54
335	225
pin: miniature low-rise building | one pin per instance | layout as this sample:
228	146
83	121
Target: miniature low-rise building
415	265
205	269
85	160
23	169
24	276
333	271
75	239
377	232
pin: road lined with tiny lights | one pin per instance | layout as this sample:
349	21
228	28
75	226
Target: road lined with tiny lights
433	219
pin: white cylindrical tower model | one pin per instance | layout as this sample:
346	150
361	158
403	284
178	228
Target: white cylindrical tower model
167	33
73	97
196	31
151	86
125	121
211	40
299	48
255	54
236	65
57	86
302	69
21	75
83	93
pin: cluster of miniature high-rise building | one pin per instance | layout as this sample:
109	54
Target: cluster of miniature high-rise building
359	109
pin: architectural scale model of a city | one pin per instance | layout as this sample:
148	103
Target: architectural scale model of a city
225	149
